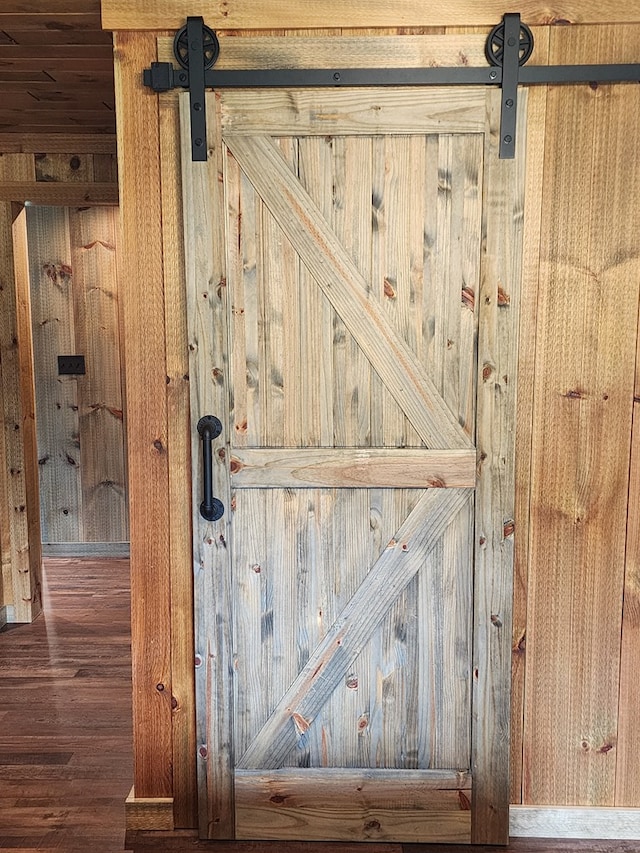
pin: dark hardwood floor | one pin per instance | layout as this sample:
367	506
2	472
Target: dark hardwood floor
65	733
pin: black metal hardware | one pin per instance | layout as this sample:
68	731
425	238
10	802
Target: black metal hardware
195	38
209	427
494	46
508	47
71	365
510	56
210	46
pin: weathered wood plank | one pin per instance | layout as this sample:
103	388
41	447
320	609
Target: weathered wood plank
242	14
349	185
14	516
185	795
574	822
343	51
337	276
22	589
499	303
205	256
348	634
584	389
336	468
390	273
317	317
103	478
71	194
332	804
144	336
64	167
57	397
351	112
280	356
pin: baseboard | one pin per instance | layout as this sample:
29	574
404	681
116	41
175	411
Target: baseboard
574	822
85	549
144	813
148	812
7	615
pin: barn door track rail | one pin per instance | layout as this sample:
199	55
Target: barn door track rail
508	47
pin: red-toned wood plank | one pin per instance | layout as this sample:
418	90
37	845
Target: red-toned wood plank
146	376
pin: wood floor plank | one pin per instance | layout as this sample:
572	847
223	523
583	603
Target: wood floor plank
62	788
65	691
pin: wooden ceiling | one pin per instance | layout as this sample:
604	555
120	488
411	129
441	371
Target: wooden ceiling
56	68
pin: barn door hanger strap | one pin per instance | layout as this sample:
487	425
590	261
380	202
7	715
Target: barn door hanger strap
508	47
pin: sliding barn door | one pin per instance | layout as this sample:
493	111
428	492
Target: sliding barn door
350	253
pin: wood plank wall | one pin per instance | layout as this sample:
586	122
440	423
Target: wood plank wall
80	424
578	730
26	174
576	627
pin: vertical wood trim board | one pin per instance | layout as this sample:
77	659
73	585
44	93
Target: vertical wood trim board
536	115
56	397
24	576
185	802
499	302
146	379
628	745
207	310
30	586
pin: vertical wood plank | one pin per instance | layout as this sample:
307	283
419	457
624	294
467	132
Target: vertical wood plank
185	797
493	590
281	319
627	782
316	314
146	378
584	390
536	116
351	221
208	318
627	786
102	473
57	396
19	531
22	563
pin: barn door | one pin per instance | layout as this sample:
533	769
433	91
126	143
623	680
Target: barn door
350	255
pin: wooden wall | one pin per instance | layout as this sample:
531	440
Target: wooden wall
577	594
22	178
80	424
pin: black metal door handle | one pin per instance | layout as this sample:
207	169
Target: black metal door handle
209	427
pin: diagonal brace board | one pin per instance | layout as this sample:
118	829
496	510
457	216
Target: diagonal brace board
338	277
346	638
